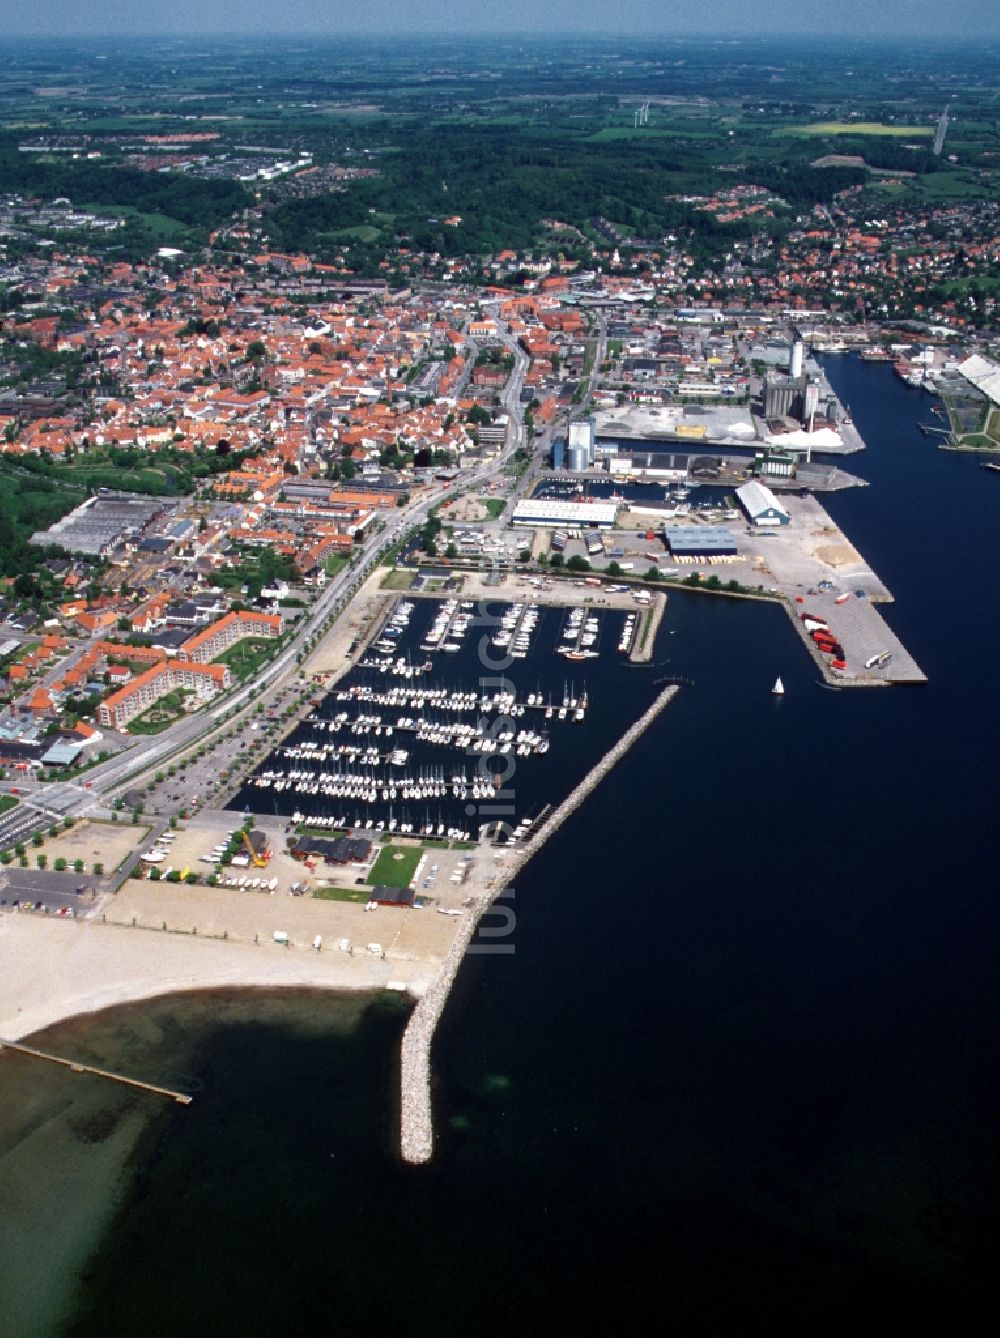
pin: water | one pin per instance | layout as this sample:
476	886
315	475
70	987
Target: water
740	1069
608	685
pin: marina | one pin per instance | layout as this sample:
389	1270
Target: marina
431	752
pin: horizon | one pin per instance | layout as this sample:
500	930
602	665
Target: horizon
728	20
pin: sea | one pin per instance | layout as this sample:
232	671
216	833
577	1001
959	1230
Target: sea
735	1071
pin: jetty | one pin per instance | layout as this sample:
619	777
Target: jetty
77	1067
416	1108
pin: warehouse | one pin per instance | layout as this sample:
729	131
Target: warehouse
761	505
549	511
697	542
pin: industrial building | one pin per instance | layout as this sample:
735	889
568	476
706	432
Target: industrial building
761	505
549	511
984	375
691	542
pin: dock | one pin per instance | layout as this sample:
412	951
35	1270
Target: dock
416	1109
865	634
181	1097
816	569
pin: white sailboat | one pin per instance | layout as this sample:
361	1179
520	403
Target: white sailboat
779	688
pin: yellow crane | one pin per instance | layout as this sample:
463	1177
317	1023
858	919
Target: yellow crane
258	860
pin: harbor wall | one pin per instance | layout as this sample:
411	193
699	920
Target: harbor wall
416	1107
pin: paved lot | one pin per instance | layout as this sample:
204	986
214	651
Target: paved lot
56	892
403	934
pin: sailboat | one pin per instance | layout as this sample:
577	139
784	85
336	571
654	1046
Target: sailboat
779	688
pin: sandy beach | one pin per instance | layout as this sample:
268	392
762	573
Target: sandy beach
53	969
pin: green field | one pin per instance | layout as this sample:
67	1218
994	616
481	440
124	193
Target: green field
856	128
358	895
364	232
395	866
162	227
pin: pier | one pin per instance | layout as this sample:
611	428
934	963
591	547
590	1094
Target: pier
645	634
181	1097
416	1109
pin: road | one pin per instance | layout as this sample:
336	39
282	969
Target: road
42	803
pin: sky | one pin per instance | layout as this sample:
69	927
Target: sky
944	19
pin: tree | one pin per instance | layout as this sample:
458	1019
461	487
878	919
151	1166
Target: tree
614	569
451	551
577	563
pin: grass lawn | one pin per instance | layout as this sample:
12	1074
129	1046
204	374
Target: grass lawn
495	506
398	580
7	802
358	895
334	563
246	657
395	866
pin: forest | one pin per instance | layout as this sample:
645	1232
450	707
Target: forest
189	200
502	183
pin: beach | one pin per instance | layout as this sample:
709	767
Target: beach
52	969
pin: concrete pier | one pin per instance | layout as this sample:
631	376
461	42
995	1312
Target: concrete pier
416	1109
77	1067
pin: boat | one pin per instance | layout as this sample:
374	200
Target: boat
779	688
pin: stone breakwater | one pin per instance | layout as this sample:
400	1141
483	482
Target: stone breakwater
416	1111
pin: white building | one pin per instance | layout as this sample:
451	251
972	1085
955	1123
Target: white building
761	505
542	512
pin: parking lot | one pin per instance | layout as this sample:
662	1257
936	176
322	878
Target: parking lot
45	892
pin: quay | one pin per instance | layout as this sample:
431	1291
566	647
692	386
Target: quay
182	1097
815	569
416	1134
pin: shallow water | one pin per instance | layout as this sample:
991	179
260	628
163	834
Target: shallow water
75	1147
